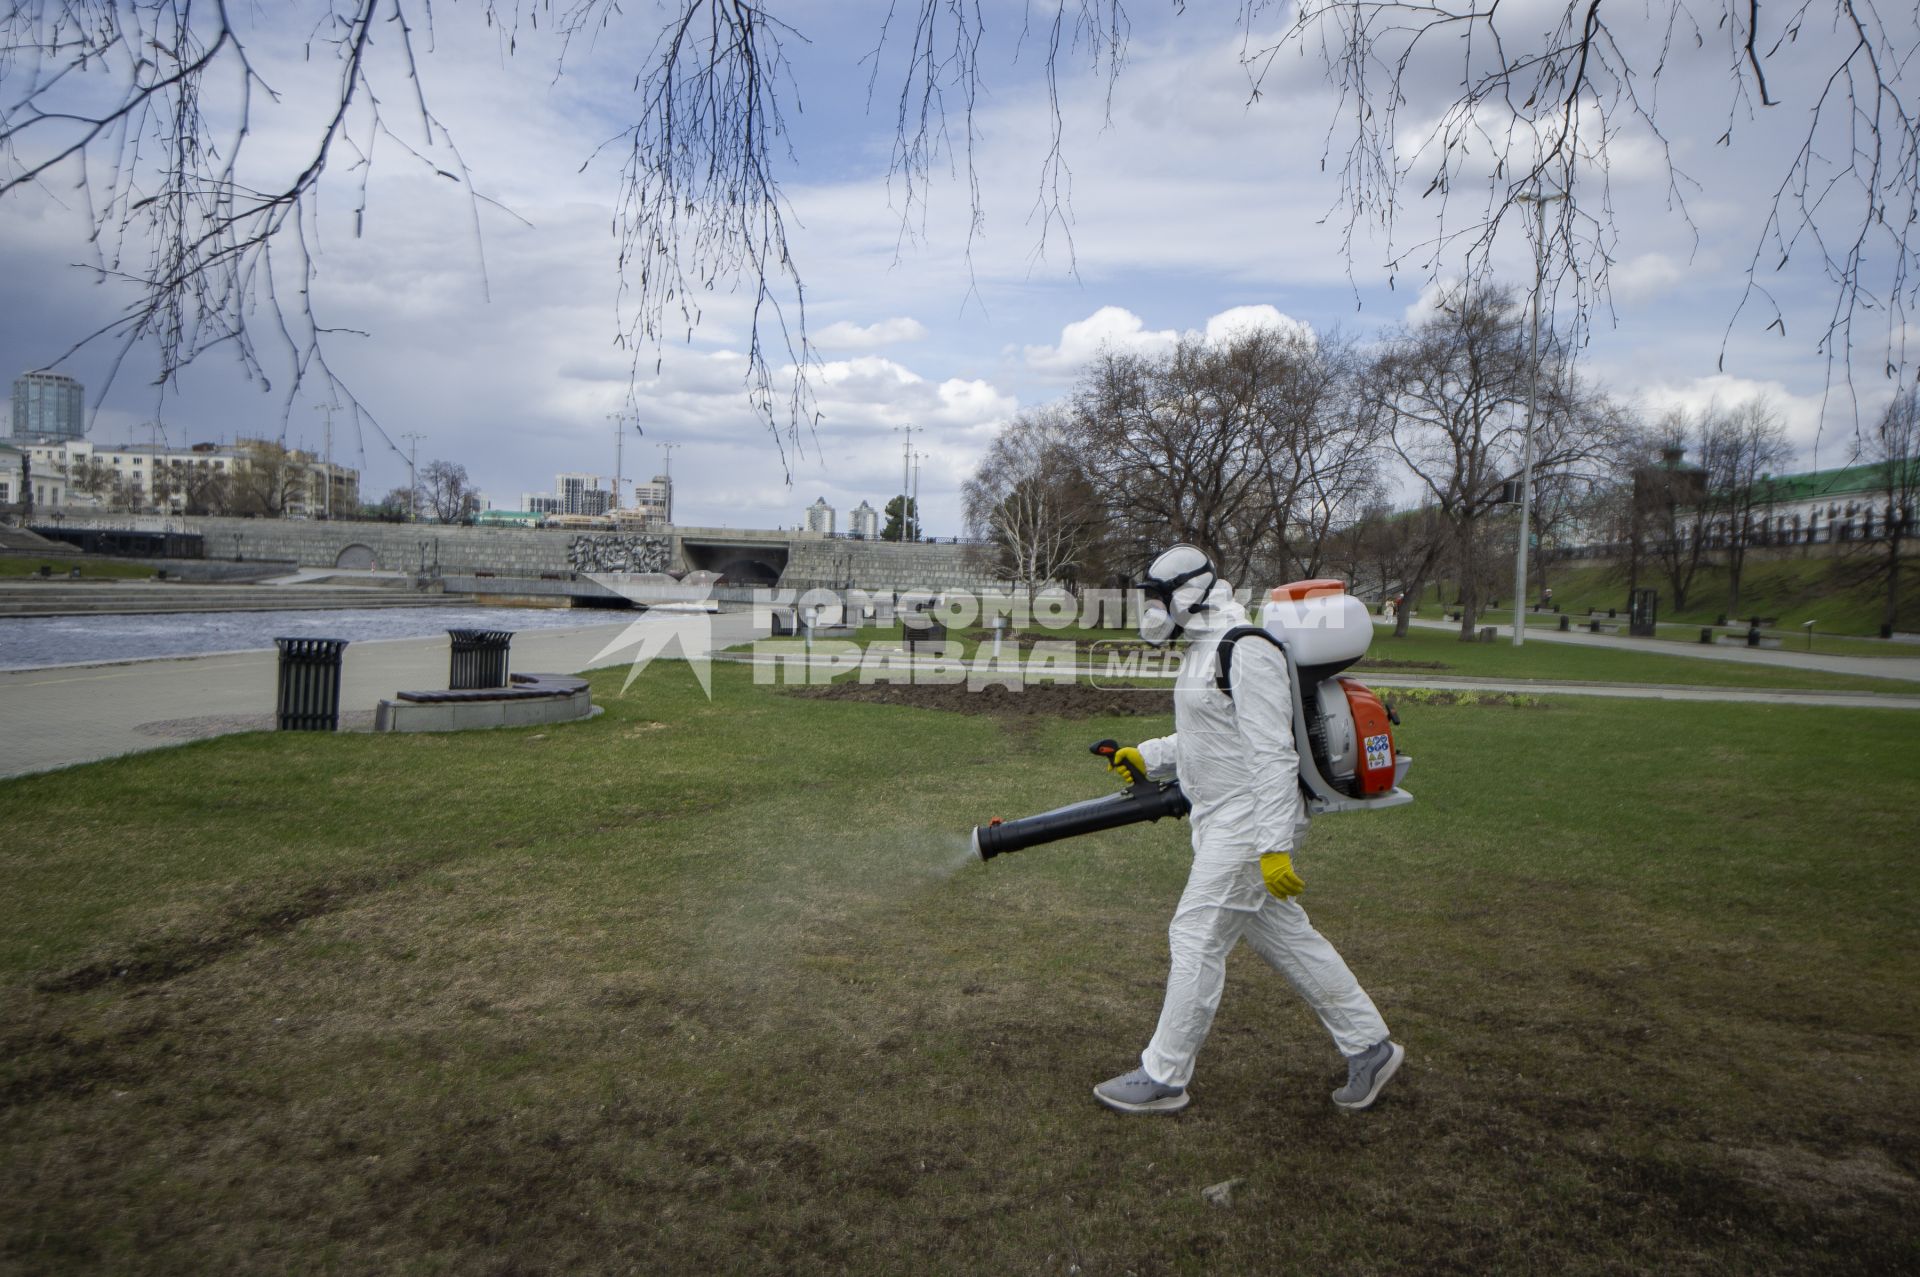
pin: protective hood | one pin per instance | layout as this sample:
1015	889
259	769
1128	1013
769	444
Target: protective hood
1179	585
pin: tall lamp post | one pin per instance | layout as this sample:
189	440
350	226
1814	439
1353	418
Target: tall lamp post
906	478
413	484
1539	201
666	450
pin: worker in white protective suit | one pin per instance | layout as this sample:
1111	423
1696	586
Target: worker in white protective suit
1233	753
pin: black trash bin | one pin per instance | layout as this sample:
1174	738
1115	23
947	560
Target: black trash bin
309	684
932	635
479	659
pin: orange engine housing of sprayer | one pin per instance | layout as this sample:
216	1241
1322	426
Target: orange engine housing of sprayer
1373	763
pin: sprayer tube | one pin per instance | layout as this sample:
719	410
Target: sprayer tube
1144	801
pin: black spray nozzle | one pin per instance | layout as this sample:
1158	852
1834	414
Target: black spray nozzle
1140	803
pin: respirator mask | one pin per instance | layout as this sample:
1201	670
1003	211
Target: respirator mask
1176	587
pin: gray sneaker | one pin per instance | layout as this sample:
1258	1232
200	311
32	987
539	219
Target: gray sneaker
1135	1092
1367	1073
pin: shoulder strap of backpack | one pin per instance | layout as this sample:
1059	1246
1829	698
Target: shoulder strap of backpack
1223	654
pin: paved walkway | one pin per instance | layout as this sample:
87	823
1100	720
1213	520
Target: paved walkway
1896	667
57	717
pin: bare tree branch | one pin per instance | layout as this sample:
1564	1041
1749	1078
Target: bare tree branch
1506	107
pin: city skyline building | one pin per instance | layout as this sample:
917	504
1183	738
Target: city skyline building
581	494
48	407
821	517
863	521
77	476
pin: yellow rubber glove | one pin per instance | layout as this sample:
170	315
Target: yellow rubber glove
1277	868
1126	758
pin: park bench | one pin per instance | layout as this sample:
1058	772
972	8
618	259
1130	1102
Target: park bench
527	700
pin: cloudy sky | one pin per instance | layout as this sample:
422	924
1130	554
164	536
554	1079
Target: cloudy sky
491	334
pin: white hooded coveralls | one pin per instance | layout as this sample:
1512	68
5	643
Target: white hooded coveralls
1234	756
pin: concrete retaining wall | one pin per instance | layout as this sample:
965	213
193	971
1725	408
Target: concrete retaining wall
812	560
884	565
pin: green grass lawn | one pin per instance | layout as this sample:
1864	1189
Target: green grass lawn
713	987
1842	593
24	565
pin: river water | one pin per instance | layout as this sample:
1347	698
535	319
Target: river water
31	642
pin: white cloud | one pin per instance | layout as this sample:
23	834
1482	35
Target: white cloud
1110	328
842	335
1801	414
1228	324
1645	277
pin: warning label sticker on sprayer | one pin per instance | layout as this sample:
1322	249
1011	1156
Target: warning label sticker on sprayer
1379	752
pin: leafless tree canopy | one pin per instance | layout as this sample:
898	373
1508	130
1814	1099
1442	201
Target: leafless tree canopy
1452	394
1032	503
446	492
144	108
1254	449
1476	106
1894	446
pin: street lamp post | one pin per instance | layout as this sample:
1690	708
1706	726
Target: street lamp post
906	478
666	450
413	484
1539	202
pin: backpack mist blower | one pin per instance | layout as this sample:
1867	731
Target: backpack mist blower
1348	762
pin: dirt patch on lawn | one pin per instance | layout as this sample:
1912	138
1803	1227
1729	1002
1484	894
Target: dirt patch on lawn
1042	700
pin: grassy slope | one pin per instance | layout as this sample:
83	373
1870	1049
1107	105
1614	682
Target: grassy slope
708	988
1841	593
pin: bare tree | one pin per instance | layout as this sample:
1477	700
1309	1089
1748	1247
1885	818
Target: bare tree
1172	458
395	507
1475	107
1894	446
1254	448
267	479
95	480
1452	391
446	491
1754	448
1677	497
1030	501
200	488
1559	505
1392	548
1316	444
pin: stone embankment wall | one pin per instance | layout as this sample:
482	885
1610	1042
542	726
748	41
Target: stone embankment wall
883	565
394	546
812	560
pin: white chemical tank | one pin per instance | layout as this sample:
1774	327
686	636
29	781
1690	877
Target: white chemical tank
1321	623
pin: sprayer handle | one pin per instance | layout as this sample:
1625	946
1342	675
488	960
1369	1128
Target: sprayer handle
1110	750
